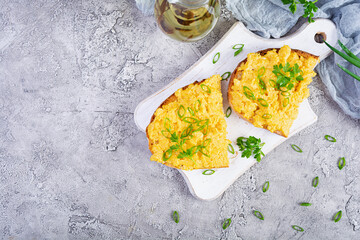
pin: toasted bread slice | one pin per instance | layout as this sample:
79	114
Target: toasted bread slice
255	94
188	130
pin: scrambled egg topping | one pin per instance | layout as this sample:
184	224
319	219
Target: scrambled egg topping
259	97
189	130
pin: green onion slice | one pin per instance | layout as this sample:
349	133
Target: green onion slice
259	215
228	112
230	148
341	163
297	228
249	93
286	102
267	116
186	132
266	186
330	138
191	111
190	120
205	152
181	111
306	204
337	216
263	102
167	154
272	83
315	181
208	172
296	148
239	48
216	57
167	124
225	76
176	216
197	105
205	88
206	142
285	93
261	71
226	223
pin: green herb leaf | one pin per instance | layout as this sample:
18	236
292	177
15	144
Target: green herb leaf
250	146
208	172
341	163
337	216
176	216
306	204
259	215
315	181
266	186
286	77
226	224
309	7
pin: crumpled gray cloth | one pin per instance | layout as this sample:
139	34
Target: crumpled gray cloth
270	18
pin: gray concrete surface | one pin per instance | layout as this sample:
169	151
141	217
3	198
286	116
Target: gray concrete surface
74	166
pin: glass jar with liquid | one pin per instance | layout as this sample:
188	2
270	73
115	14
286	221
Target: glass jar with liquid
187	20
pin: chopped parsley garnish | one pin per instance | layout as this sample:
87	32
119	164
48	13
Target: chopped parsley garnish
287	76
309	7
251	146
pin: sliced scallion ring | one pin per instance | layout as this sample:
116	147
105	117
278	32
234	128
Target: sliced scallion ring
337	216
208	172
191	111
225	76
197	105
167	154
226	223
230	148
190	120
285	94
181	111
261	71
267	116
330	138
206	142
286	102
266	186
315	181
296	148
176	216
238	48
305	204
297	228
259	215
272	83
249	93
167	124
341	163
263	102
205	88
228	112
216	57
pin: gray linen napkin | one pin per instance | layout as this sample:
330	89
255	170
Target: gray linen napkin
270	18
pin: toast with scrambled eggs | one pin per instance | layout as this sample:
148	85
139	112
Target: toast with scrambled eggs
188	131
267	87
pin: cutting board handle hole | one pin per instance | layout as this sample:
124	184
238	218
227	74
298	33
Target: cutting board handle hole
320	37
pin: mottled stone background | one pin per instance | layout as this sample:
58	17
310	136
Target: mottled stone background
74	166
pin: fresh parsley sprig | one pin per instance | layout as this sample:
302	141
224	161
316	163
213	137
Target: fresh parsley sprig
287	76
309	7
250	146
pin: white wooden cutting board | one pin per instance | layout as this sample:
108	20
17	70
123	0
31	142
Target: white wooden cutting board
211	187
